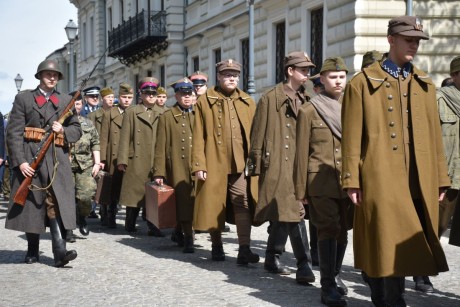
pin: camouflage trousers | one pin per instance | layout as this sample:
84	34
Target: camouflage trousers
85	189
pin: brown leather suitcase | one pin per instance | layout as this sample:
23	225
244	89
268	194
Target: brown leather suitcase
104	184
160	205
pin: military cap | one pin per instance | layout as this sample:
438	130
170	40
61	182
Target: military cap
92	90
106	91
125	89
183	85
316	80
455	65
148	84
51	65
407	26
199	78
370	57
298	59
229	64
73	93
161	90
334	64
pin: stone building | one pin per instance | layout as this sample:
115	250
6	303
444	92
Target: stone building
168	39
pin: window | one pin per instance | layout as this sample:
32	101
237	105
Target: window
196	63
91	41
109	19
149	73
162	76
280	50
317	39
245	64
122	11
84	42
217	59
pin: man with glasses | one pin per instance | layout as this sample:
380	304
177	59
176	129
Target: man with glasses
223	121
135	153
91	98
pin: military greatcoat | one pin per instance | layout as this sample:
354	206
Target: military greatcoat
209	153
27	113
136	150
110	136
388	236
173	158
273	147
96	118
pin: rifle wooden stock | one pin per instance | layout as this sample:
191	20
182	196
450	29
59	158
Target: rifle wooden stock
24	189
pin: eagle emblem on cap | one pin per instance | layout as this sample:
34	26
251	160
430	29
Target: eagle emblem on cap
230	63
418	24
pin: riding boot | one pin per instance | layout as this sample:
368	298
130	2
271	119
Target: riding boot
301	249
313	244
70	237
33	242
394	291
177	235
61	255
377	289
327	260
82	225
341	287
246	256
188	244
275	246
104	215
131	217
112	216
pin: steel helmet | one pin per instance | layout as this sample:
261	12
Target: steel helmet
51	65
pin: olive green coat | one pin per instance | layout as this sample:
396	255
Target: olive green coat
112	122
96	118
388	237
209	153
173	158
137	145
271	157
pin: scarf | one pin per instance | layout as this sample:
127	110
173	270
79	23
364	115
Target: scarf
330	110
394	70
452	97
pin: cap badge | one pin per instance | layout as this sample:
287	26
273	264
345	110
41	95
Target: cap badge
418	24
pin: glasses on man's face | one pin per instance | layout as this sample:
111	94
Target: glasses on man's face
229	75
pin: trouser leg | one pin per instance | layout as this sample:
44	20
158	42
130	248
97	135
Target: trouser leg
394	291
33	242
300	247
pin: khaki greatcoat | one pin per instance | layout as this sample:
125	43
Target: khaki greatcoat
173	158
273	147
136	150
96	118
388	237
209	153
111	124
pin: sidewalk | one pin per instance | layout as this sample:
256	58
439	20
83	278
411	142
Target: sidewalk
116	269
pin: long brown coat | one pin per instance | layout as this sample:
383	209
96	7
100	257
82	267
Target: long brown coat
111	124
96	118
209	153
137	145
26	113
388	237
173	158
271	157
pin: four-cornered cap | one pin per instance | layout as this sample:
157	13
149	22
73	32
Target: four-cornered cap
370	57
228	65
92	90
407	26
334	64
73	93
199	78
125	89
161	91
455	65
106	91
183	85
51	65
298	59
148	84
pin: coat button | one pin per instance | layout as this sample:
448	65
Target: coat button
183	125
387	84
390	97
183	157
392	124
288	125
393	135
286	146
390	109
183	140
395	147
347	175
196	164
336	150
219	142
405	94
287	136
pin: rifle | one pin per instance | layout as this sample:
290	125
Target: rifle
48	139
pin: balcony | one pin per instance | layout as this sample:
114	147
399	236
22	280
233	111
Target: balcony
138	37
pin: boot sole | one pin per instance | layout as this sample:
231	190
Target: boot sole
334	304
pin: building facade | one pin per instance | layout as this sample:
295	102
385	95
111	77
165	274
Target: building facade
169	39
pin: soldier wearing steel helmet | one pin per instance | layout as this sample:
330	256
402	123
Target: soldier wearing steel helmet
51	200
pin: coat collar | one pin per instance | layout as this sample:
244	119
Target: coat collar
213	96
282	98
177	112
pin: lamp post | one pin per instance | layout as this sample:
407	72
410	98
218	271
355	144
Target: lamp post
18	80
71	31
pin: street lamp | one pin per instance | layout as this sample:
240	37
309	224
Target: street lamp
18	80
71	31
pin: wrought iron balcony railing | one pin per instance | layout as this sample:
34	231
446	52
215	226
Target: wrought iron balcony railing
138	37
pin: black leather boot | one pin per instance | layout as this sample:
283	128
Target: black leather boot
313	244
377	289
130	220
246	256
188	244
61	255
33	243
104	215
301	249
112	216
276	241
82	225
341	287
423	284
217	253
330	296
394	291
177	236
70	237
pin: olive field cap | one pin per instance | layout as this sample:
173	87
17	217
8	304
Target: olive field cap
370	57
455	65
161	90
228	65
334	64
125	89
92	90
298	59
50	65
407	26
106	91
